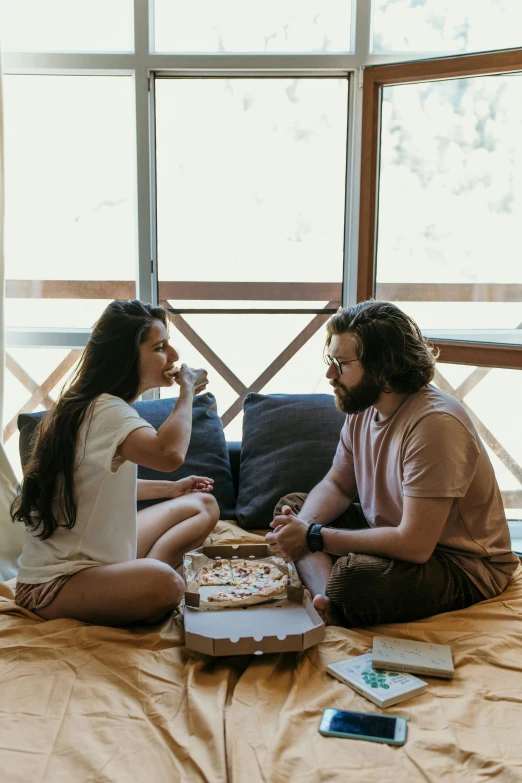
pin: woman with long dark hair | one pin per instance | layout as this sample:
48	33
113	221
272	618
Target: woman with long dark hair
87	553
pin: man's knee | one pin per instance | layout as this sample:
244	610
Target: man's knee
294	499
354	575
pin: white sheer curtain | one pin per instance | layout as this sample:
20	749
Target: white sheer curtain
11	536
2	259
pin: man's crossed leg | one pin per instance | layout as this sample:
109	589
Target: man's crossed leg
359	589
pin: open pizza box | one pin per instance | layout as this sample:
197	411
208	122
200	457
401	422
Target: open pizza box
286	624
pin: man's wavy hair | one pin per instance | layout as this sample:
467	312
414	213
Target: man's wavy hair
389	345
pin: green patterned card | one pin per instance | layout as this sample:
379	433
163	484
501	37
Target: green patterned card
383	688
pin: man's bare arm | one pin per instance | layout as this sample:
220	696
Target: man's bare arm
414	540
329	498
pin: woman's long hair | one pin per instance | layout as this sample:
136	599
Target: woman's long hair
109	365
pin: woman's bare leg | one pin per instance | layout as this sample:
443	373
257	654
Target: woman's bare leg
169	529
144	589
120	594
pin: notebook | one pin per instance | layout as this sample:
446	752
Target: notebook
382	687
406	655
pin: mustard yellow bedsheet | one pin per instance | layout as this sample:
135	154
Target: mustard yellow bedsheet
81	703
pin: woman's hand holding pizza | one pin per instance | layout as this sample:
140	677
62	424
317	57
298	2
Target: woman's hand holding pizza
198	379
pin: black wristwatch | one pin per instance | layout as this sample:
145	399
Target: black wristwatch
314	538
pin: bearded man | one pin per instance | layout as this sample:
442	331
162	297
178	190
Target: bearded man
428	533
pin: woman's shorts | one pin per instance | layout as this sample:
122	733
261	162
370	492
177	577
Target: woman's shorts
35	597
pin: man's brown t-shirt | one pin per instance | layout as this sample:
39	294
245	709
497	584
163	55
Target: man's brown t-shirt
430	448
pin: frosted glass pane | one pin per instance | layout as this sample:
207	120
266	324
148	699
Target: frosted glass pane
251	179
237	26
446	25
70	192
450	203
67	25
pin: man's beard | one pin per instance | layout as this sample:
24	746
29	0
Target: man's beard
359	397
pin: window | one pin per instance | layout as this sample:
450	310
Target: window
229	165
70	244
448	156
261	162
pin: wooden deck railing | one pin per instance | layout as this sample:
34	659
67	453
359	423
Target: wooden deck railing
172	295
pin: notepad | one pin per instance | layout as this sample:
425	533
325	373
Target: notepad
406	655
383	688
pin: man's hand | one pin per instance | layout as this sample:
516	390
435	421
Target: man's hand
191	484
289	537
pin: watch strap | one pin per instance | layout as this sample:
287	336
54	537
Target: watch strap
314	539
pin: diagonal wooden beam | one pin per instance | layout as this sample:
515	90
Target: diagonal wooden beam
471	381
488	437
279	362
23	376
206	351
39	395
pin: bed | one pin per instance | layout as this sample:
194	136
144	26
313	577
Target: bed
84	703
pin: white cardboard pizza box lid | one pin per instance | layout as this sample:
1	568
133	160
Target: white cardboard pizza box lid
281	626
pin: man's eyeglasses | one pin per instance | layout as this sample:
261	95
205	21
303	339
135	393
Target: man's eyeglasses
338	366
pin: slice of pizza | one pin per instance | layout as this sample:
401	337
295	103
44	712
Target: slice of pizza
248	571
266	587
233	594
216	572
254	593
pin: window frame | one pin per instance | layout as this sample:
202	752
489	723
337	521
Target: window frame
456	351
366	73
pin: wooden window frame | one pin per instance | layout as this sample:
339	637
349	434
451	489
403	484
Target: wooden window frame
374	79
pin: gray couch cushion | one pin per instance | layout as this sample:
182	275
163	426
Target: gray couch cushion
289	442
207	454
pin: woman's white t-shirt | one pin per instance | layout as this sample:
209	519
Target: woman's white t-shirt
105	531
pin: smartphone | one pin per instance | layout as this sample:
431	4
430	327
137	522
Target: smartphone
390	729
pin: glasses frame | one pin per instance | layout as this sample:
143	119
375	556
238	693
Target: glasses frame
338	366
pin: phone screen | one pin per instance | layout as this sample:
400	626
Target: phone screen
359	723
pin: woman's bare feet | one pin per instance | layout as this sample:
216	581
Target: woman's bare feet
326	610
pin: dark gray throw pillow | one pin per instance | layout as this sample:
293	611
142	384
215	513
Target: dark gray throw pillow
289	441
207	453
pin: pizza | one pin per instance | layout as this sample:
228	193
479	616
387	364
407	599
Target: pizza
216	572
247	581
